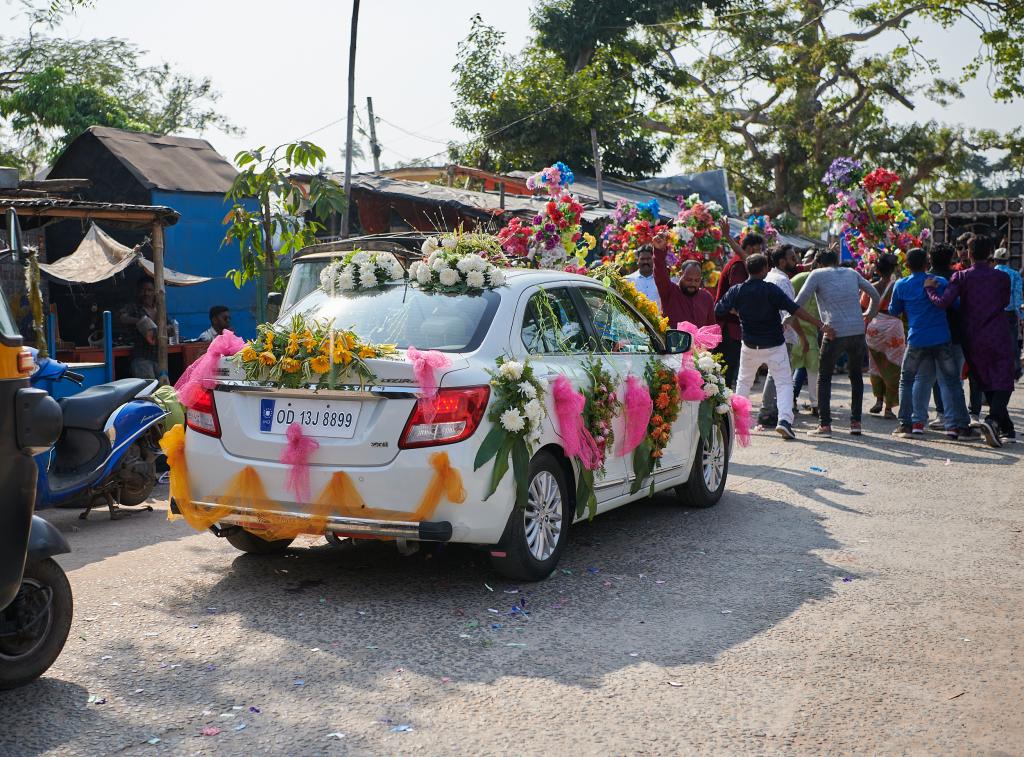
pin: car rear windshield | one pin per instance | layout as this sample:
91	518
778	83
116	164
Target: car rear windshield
304	278
406	316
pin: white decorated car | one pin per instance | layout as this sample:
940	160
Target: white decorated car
385	441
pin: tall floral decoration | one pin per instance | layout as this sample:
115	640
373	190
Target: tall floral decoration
699	229
553	237
599	410
867	213
762	226
634	225
516	412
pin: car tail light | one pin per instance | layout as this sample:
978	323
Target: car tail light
457	413
26	363
202	416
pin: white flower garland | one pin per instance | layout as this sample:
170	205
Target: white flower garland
448	270
361	270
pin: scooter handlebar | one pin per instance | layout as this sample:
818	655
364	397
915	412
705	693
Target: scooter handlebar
78	378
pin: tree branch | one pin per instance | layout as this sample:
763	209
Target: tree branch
889	23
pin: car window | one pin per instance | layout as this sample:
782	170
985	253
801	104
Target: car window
405	316
552	324
305	277
618	327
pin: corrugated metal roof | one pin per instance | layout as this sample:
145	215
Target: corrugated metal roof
462	199
174	164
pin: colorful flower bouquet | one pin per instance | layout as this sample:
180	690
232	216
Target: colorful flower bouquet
867	213
459	263
699	229
661	382
360	270
553	236
634	225
308	353
761	225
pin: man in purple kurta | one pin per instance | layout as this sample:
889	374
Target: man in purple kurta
984	294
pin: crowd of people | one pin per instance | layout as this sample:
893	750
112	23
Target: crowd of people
951	319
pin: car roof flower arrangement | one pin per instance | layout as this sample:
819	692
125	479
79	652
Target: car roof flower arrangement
867	213
459	263
360	269
762	226
553	236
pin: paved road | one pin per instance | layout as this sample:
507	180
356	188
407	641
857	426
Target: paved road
849	596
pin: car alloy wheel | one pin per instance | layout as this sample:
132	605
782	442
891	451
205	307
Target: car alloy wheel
713	461
543	515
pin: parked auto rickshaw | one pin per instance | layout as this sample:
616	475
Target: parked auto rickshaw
35	596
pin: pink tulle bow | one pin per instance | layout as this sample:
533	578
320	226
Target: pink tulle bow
741	418
638	408
198	375
691	384
424	365
300	448
704	337
577	441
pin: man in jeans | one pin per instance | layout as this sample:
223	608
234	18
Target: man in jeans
929	351
757	304
837	291
785	265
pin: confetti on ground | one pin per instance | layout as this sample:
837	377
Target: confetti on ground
726	612
634	654
846	579
239	727
948	462
106	657
511	591
228	715
298	682
400	728
153	741
816	469
486	586
96	699
659	582
210	730
254	709
675	684
336	735
595	571
445	679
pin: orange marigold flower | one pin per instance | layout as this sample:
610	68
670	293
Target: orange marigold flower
267	358
290	365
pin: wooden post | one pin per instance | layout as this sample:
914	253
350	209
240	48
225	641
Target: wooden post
374	147
501	195
597	166
450	170
351	118
161	302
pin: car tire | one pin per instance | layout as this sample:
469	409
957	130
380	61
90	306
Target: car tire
246	541
534	537
25	657
709	472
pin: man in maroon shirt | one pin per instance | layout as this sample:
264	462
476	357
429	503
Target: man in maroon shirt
734	272
687	301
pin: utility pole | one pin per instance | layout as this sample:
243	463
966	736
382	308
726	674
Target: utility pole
351	118
597	166
374	147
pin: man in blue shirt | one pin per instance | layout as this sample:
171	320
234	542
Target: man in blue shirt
1015	310
757	303
929	351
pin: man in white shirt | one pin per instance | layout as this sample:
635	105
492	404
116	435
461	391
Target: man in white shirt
220	319
643	277
785	265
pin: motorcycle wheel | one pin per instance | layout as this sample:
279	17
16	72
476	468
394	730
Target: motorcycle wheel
136	476
43	611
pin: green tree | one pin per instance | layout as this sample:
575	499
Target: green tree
292	205
52	89
775	91
585	69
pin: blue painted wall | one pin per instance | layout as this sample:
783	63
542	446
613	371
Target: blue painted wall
193	245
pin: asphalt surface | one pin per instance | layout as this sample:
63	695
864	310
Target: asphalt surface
846	596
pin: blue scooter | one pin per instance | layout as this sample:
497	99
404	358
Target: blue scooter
108	446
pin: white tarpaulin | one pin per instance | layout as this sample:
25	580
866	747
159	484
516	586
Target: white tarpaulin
100	256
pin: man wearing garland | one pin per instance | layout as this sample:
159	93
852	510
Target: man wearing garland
686	301
643	277
734	272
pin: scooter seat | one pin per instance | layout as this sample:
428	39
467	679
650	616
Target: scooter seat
91	409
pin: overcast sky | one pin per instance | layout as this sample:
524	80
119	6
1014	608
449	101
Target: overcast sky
281	68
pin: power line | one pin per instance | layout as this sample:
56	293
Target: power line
343	119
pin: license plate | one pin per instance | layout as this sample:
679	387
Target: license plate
326	418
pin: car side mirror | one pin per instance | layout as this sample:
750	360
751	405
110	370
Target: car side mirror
274	300
677	342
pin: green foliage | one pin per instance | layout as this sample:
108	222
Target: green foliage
789	86
270	180
51	90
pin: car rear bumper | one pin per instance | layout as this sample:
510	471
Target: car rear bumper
392	494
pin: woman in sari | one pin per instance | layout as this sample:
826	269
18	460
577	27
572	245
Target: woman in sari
886	342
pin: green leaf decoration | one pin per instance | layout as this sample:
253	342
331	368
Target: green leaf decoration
585	496
642	464
705	419
500	466
490	446
521	470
